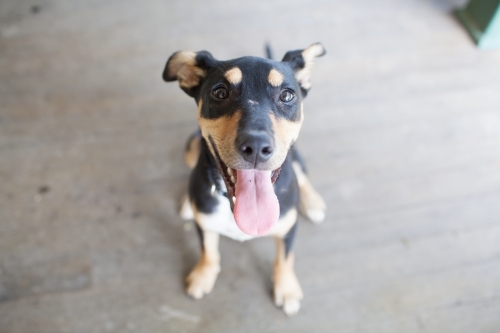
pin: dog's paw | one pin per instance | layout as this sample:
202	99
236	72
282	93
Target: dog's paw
312	205
185	210
291	306
201	280
288	293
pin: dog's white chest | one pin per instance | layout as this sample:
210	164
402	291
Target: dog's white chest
222	221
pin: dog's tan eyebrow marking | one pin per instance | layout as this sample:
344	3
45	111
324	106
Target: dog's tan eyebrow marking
275	78
234	75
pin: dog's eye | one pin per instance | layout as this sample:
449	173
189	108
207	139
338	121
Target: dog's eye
287	96
220	93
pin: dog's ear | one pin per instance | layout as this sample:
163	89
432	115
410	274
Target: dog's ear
302	63
189	68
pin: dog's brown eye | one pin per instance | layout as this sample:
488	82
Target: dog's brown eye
220	93
287	96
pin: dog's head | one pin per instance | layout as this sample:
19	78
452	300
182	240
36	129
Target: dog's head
250	113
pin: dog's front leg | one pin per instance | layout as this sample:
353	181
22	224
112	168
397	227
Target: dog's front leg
312	204
202	278
287	290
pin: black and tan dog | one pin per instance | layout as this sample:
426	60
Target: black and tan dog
247	179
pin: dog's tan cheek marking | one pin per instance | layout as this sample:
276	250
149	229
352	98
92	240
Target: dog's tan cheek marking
204	133
222	130
275	78
234	75
286	129
285	133
285	223
184	67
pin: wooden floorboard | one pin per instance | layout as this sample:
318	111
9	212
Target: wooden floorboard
401	137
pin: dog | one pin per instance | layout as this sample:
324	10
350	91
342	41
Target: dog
247	180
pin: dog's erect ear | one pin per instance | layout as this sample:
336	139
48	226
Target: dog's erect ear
302	63
189	68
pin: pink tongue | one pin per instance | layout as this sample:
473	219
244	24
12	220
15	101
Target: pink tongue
257	208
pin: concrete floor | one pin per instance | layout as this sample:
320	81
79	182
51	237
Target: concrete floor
402	138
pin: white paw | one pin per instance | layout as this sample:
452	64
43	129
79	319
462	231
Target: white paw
316	215
291	306
289	301
201	280
288	294
185	211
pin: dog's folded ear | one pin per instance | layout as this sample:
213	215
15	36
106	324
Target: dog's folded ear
302	63
189	68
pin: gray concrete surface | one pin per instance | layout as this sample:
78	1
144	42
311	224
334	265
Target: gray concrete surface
402	137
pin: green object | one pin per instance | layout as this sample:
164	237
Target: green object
481	18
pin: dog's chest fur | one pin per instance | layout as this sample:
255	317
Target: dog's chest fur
221	220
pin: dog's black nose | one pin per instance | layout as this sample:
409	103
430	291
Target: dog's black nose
255	147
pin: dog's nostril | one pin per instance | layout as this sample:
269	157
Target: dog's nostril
247	150
267	151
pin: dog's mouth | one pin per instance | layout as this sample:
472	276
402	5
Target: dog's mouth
230	177
251	196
